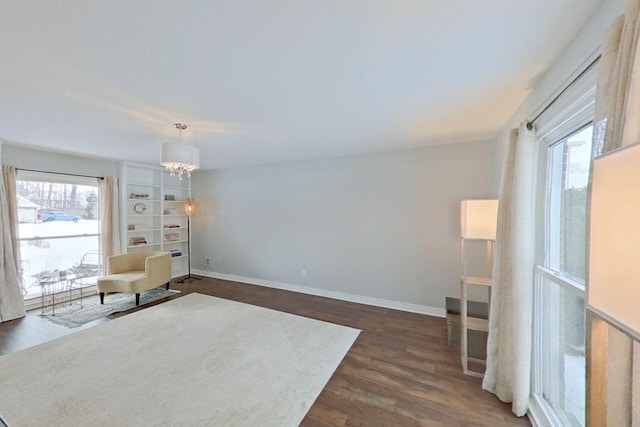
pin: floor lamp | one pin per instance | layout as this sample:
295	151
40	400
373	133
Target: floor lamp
189	208
478	221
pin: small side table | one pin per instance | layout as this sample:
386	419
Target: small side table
76	284
53	289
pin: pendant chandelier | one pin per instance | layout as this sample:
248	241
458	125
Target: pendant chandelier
180	158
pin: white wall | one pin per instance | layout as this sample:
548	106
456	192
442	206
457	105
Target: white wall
382	225
582	50
45	161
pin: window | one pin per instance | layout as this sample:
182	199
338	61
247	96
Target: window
568	166
58	228
558	391
559	306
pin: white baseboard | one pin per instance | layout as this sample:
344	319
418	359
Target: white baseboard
360	299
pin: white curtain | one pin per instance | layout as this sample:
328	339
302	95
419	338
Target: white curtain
109	218
617	114
11	302
617	123
510	324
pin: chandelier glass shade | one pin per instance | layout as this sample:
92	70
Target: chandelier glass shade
178	158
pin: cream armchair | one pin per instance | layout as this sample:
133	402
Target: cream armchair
135	272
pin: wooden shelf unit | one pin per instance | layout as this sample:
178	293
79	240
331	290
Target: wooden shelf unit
468	323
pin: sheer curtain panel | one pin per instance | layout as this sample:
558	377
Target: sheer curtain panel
11	302
109	218
510	323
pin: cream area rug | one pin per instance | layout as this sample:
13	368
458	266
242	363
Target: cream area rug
192	361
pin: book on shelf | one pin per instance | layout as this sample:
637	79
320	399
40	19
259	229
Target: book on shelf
176	253
135	241
132	227
139	196
171	237
172	226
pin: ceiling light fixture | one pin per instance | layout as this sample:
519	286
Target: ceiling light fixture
180	158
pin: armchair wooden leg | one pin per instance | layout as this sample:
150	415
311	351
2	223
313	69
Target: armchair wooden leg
101	297
137	300
449	329
167	285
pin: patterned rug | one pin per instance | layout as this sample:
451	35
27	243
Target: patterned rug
91	309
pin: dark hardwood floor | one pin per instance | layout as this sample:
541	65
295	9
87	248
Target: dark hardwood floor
399	372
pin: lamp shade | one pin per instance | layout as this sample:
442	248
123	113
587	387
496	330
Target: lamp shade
180	154
190	207
614	239
478	219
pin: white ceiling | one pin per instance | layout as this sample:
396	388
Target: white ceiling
263	81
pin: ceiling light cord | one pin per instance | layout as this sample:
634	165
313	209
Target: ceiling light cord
180	128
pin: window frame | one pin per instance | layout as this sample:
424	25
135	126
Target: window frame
63	179
543	271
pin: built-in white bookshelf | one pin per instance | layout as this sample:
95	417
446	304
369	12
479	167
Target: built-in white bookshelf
152	216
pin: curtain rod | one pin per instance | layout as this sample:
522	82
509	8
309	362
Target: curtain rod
61	173
562	92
